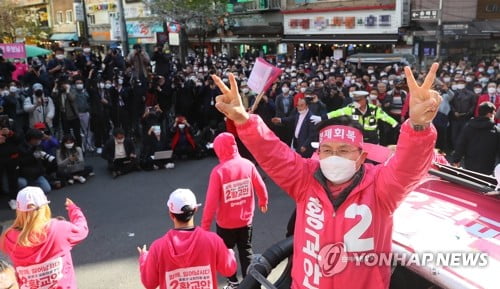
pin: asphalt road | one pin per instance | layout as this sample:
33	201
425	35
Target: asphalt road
131	210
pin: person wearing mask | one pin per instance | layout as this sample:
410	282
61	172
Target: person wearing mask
83	107
60	66
40	246
394	101
185	248
64	96
20	71
49	143
139	61
337	190
119	151
492	95
120	102
86	60
284	108
7	101
32	162
9	160
479	142
230	196
162	62
371	117
183	142
6	69
373	97
113	62
301	93
303	130
155	141
462	109
70	162
40	107
37	74
442	119
100	105
316	106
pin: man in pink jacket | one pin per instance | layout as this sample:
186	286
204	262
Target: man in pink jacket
187	256
230	195
344	207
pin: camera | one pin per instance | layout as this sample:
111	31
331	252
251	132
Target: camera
45	156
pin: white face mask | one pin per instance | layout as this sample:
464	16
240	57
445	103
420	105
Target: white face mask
182	126
60	56
285	89
79	86
101	85
337	170
478	90
245	90
108	85
468	79
156	130
373	97
492	90
454	86
460	86
86	50
69	145
303	89
13	89
299	81
120	81
369	71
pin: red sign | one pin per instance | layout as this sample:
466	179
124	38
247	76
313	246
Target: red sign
13	50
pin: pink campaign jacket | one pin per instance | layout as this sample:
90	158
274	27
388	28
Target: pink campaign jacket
186	259
48	265
231	188
327	241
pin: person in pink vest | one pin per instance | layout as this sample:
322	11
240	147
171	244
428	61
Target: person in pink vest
186	256
344	206
230	195
39	246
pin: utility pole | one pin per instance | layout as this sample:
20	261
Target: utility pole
123	28
439	31
85	22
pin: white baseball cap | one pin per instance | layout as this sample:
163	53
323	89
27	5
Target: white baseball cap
31	196
180	198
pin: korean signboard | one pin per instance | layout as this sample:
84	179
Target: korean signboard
13	50
351	22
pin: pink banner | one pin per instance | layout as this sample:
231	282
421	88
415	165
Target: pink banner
13	50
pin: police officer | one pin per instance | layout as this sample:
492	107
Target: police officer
369	116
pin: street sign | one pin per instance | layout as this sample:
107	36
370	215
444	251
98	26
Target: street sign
425	15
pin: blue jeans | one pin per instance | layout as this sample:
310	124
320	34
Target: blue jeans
41	182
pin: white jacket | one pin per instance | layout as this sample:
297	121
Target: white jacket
39	113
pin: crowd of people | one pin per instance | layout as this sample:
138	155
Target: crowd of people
144	112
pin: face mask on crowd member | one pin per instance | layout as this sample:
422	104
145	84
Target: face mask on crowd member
156	130
340	156
13	88
69	144
108	85
460	85
79	85
492	88
478	90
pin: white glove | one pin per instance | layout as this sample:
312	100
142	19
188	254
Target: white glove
315	119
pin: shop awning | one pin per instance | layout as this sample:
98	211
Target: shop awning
64	37
342	38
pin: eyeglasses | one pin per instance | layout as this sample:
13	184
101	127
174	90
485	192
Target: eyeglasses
340	152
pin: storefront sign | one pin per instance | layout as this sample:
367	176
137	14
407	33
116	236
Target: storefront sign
352	22
173	39
424	15
143	29
78	8
13	50
488	9
102	7
115	33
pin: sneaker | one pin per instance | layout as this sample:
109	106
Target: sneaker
91	174
13	204
231	285
81	179
155	167
170	166
71	182
98	150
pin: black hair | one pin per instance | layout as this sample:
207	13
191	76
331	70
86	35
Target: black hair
33	134
65	152
187	214
485	108
59	49
117	131
341	120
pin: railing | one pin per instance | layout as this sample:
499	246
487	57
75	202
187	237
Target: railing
257	5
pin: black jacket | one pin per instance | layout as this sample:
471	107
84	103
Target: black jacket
108	153
479	145
307	132
30	167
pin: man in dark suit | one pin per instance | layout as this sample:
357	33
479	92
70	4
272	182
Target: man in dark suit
304	131
284	108
119	151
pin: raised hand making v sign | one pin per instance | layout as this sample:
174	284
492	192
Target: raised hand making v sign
343	204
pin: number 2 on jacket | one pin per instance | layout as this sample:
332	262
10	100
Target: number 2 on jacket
352	239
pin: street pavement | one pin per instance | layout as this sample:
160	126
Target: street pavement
131	210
